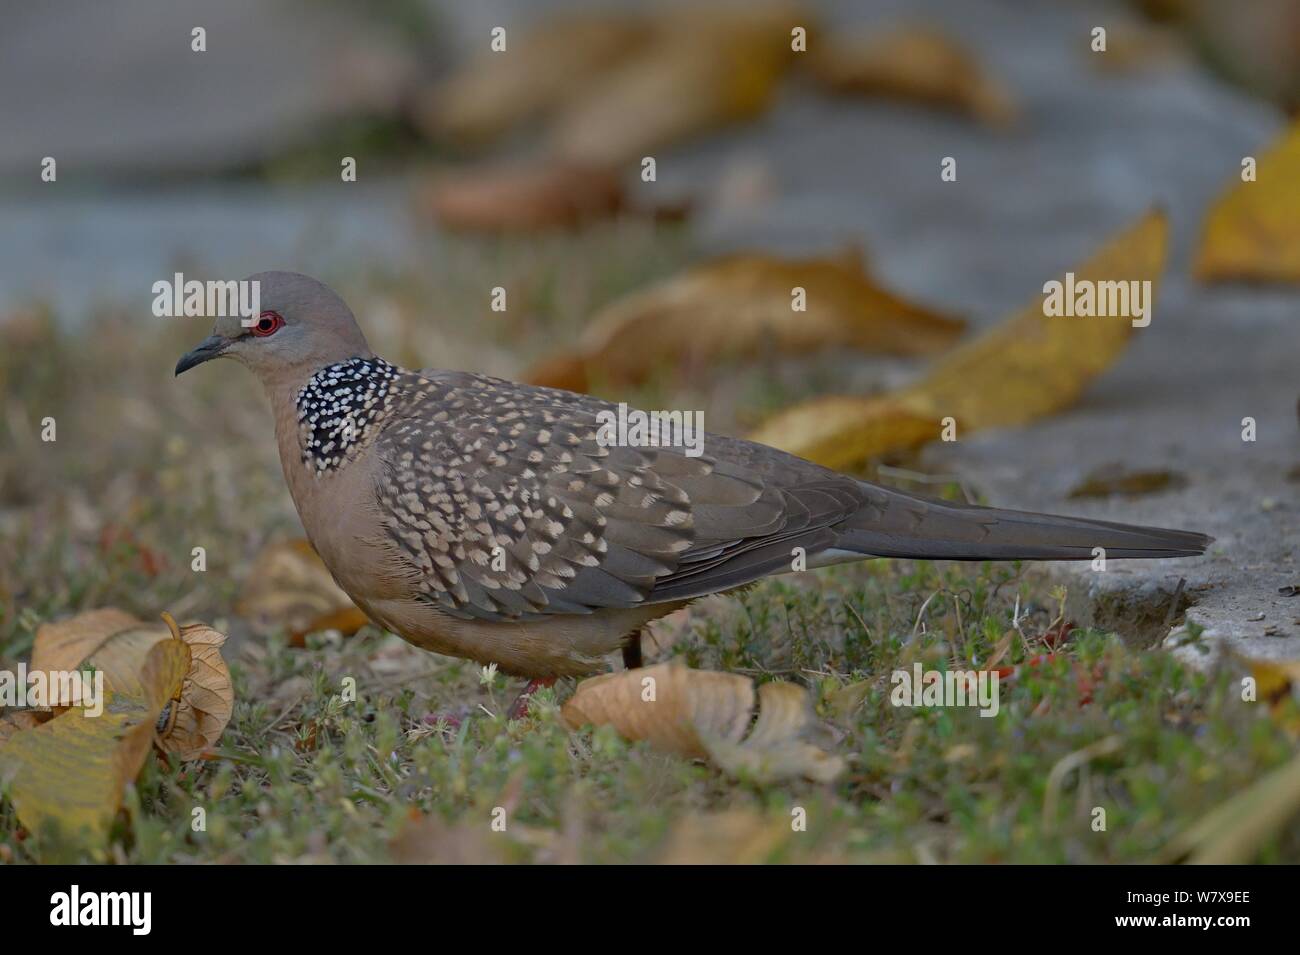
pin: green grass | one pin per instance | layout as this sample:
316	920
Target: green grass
301	775
145	468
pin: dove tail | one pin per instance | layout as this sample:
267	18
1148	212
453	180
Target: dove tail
938	530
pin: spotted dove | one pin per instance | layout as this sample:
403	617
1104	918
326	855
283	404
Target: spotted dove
490	520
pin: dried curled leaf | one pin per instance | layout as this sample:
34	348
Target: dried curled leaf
703	714
117	644
1252	231
702	70
70	772
207	697
733	307
290	588
916	63
539	70
524	198
687	706
1027	367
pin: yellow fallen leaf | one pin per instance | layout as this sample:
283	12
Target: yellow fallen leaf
1234	832
117	644
289	588
1032	365
70	772
702	714
842	431
540	69
1252	231
16	721
735	306
1028	366
1275	679
1277	685
701	71
915	63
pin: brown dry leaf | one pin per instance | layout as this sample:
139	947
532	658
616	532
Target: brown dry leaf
1252	231
71	771
117	644
523	198
730	837
1116	479
704	69
917	63
1134	47
64	644
431	840
702	714
776	747
1235	831
537	72
744	836
688	705
207	697
734	307
290	588
1026	367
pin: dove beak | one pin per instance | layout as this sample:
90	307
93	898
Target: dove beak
210	347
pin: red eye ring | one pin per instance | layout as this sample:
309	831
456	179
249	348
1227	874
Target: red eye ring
268	323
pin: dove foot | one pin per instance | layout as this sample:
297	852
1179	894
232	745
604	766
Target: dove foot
519	708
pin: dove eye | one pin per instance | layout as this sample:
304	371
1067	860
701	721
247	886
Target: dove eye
268	323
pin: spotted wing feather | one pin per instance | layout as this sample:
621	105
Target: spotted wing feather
507	506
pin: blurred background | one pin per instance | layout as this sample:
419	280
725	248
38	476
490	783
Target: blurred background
229	159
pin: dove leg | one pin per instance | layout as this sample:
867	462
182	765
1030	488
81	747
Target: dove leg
632	651
519	708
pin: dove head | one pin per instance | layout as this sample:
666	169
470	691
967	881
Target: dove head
303	326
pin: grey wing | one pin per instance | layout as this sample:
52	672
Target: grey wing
506	506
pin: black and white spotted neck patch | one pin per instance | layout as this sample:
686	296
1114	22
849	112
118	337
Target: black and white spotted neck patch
338	406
